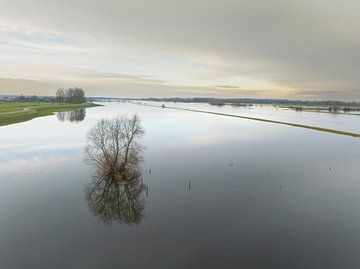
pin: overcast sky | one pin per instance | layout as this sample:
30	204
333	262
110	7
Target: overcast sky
307	49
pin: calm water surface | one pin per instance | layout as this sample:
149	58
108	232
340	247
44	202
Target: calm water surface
337	121
220	193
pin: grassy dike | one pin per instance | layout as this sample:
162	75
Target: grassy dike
315	128
11	113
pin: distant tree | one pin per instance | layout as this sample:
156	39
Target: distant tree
60	95
79	95
21	98
71	95
34	98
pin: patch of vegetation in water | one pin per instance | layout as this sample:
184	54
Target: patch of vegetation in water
216	103
326	109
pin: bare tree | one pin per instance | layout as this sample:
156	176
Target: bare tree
60	95
115	194
71	95
113	146
79	95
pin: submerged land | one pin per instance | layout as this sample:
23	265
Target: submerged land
15	112
315	128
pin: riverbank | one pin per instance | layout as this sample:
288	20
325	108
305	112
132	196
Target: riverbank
16	112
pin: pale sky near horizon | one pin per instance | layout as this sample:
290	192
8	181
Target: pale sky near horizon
225	48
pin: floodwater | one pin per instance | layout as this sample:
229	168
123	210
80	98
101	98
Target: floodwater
217	192
338	121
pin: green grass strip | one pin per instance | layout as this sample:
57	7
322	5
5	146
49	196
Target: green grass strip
11	113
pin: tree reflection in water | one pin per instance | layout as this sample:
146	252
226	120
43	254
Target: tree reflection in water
72	116
116	193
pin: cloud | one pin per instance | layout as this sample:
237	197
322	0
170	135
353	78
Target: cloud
309	48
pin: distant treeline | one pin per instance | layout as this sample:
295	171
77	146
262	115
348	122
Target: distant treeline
252	101
71	95
24	98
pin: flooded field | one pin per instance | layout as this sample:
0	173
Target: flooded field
339	121
213	192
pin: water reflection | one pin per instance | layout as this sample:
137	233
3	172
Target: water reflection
112	201
116	192
72	116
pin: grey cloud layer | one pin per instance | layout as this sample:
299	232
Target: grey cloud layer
311	46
